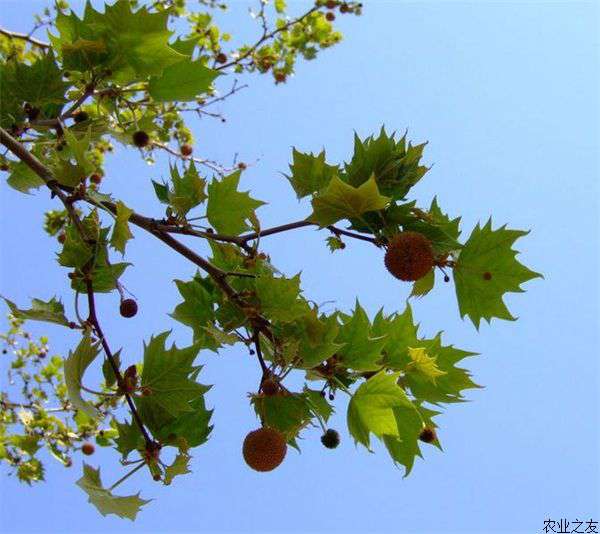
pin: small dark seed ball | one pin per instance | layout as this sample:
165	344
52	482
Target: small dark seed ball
82	116
72	325
156	477
141	139
330	17
221	58
72	276
88	449
42	354
487	275
331	438
331	4
4	351
186	150
128	308
331	396
280	77
427	435
4	167
61	238
322	393
344	8
68	462
95	178
446	278
242	166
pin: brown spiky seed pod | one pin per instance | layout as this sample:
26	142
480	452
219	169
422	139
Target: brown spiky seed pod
141	139
427	435
128	308
88	448
186	150
409	256
264	449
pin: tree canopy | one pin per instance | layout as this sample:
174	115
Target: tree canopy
122	77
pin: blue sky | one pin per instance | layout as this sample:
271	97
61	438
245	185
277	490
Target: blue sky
507	96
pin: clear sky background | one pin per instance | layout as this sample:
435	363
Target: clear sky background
507	95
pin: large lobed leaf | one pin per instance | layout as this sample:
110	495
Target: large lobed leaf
486	269
103	499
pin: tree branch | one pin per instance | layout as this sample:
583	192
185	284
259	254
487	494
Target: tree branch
25	37
266	36
93	320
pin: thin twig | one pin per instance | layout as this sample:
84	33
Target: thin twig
93	320
24	37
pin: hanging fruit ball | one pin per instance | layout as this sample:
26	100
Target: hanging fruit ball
264	449
409	256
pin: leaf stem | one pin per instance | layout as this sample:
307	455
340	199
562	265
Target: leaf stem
126	476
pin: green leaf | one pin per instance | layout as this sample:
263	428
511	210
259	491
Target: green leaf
446	388
394	164
131	45
27	443
110	378
107	503
121	232
318	403
423	285
188	190
361	350
104	277
23	179
401	333
196	311
192	426
280	298
486	269
181	82
161	191
180	466
404	448
52	311
78	149
75	366
422	363
166	376
343	201
129	439
40	85
287	413
312	338
335	243
371	408
450	226
76	251
228	209
310	173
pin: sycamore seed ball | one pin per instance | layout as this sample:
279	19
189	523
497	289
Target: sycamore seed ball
427	435
88	448
409	256
264	449
128	308
141	139
331	438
